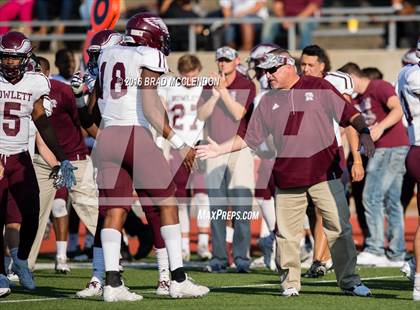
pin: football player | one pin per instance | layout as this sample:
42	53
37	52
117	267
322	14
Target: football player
129	104
21	97
408	89
180	96
100	41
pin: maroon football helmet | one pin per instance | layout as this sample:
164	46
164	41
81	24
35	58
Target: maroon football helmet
148	29
102	39
14	45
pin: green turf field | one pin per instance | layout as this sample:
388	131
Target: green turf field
257	290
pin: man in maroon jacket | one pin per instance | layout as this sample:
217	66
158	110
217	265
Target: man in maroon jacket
299	114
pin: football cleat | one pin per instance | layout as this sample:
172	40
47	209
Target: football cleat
25	276
368	259
12	277
120	293
61	265
409	269
4	286
358	290
289	292
163	288
187	289
318	269
93	289
258	263
416	293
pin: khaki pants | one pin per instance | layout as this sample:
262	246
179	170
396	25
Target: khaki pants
83	196
291	206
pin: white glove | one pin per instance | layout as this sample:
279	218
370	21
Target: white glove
89	79
48	106
77	84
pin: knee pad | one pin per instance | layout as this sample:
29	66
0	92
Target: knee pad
59	208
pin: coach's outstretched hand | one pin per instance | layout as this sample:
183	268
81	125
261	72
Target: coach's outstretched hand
366	141
210	150
63	175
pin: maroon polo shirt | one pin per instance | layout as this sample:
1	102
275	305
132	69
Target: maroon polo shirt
301	121
221	125
372	104
65	120
294	7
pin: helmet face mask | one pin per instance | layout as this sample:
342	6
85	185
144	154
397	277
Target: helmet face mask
103	39
15	52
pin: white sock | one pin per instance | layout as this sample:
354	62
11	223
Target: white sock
73	242
229	234
13	254
417	279
269	213
202	203
111	245
203	239
7	262
98	265
171	234
89	240
61	249
184	219
186	244
163	264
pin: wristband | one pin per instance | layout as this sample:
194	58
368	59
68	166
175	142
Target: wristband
357	163
176	142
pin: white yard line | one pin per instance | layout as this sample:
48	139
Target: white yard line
219	287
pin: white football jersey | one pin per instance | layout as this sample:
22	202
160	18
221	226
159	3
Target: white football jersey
181	104
344	84
408	90
16	105
120	78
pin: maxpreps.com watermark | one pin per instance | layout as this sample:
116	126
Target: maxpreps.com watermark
227	215
169	82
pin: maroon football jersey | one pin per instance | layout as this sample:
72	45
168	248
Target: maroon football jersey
372	104
65	120
302	122
221	125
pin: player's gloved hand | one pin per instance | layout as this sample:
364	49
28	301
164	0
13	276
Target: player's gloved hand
77	84
63	175
365	141
48	106
89	79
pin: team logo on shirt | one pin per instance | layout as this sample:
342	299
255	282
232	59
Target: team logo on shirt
309	96
275	106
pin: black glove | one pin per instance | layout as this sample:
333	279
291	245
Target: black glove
366	141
